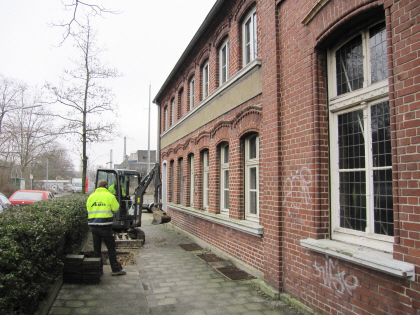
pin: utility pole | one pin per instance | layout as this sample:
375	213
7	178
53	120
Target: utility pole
148	134
46	183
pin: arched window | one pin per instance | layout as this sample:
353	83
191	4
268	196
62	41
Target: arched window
249	37
206	79
252	178
206	179
360	140
192	92
224	179
224	62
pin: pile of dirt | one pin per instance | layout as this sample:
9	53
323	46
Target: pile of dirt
126	258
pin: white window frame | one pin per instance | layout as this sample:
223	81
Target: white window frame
206	79
173	111
192	92
249	26
172	179
206	179
181	180
165	113
252	163
363	98
224	66
224	174
192	184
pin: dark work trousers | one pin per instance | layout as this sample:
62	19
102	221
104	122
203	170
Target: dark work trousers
104	232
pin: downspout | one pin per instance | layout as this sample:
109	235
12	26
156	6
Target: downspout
158	196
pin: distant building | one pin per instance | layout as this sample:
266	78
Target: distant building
138	160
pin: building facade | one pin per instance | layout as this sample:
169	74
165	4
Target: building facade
289	141
139	161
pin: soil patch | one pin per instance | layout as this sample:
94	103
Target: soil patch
190	247
126	258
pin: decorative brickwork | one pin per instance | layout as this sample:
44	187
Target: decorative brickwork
293	117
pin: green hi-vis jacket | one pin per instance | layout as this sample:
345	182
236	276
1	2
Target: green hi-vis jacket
100	207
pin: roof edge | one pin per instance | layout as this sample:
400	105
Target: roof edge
210	16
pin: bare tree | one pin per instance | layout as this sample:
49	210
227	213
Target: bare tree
30	135
85	101
60	165
11	92
74	7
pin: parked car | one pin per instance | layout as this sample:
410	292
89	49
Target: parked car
53	190
77	187
26	197
4	202
69	188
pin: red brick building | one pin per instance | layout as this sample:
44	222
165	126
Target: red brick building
290	142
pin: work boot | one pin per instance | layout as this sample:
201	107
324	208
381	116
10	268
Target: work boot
118	273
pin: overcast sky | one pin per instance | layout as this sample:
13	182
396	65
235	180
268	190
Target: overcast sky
143	42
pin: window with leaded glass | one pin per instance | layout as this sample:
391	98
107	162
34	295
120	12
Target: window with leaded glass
360	146
206	179
249	37
224	179
252	178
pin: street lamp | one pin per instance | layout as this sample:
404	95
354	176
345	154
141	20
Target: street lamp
12	109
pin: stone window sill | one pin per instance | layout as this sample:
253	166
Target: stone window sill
363	256
245	226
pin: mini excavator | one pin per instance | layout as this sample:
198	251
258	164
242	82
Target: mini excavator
129	187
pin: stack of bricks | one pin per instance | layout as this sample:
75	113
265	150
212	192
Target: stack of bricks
92	270
79	269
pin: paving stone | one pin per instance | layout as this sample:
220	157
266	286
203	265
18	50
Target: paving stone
167	280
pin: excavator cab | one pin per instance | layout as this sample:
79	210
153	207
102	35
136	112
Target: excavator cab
123	184
129	187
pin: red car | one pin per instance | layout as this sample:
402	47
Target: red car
26	197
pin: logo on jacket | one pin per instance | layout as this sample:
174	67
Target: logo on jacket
98	204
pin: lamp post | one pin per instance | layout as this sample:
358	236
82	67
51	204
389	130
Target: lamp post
12	109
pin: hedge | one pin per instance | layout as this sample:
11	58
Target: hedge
33	243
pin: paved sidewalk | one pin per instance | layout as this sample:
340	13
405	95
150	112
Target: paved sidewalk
166	280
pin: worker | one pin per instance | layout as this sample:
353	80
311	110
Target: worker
113	191
100	207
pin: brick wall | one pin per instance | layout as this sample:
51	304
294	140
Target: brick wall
291	117
330	285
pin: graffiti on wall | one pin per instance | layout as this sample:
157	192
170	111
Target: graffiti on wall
296	188
335	279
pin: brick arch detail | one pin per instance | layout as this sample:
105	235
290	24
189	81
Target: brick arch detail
168	152
221	34
221	130
250	118
203	140
243	8
203	56
344	19
179	150
191	71
189	145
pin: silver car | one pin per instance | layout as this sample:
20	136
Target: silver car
4	202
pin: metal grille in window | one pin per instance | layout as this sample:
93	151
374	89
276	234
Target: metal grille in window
353	200
349	66
253	190
378	54
351	140
226	190
352	183
382	173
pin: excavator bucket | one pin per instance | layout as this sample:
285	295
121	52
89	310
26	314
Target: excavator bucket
160	217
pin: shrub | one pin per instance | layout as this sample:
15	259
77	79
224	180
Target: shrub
33	243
